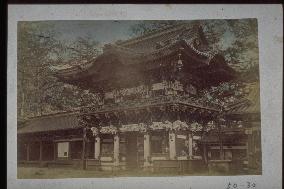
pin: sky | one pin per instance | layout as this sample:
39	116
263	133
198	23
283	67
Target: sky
101	31
104	31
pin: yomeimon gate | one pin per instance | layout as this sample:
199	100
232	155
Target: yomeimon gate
150	114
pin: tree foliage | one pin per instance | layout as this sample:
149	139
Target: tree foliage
39	92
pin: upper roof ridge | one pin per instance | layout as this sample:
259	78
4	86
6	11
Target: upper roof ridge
153	34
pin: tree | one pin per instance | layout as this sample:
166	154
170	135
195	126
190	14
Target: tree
39	92
84	50
243	53
35	44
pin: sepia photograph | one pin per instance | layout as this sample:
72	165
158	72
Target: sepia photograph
123	98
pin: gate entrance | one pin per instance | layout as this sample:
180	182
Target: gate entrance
134	151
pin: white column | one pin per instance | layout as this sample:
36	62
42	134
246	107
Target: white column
172	145
249	148
147	150
190	146
116	150
209	155
97	147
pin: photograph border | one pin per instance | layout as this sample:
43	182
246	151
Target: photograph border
107	12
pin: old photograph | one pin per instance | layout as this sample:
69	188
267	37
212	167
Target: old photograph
124	98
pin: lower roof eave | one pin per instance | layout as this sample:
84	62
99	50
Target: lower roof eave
47	131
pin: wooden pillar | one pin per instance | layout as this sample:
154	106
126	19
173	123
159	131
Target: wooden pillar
84	149
209	154
54	151
205	154
147	150
172	145
220	133
221	148
40	151
97	147
190	145
253	148
204	146
116	150
28	151
250	147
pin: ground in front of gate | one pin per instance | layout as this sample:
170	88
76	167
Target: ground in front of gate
57	173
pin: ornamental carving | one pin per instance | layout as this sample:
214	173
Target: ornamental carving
155	126
109	130
133	127
95	131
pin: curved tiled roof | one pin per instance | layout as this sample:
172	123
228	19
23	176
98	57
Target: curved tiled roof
140	56
149	46
50	123
159	35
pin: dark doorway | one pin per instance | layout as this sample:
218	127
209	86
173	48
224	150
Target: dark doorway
131	155
47	150
76	149
34	151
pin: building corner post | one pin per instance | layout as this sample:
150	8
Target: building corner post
172	145
40	153
97	147
147	151
28	151
190	145
84	163
116	151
